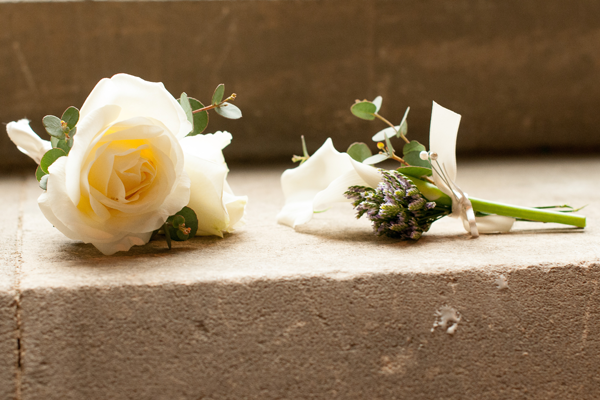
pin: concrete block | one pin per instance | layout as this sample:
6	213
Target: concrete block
510	68
327	311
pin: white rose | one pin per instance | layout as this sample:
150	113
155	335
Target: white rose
126	173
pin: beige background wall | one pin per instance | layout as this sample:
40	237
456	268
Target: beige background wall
525	75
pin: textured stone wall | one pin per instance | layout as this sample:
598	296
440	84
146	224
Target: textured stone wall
524	74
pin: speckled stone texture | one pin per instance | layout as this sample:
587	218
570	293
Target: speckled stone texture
328	311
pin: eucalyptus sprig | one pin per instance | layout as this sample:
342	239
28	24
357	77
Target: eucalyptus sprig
61	131
197	113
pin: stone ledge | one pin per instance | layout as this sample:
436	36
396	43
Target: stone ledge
328	311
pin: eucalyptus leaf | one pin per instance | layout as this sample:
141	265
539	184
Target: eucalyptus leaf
184	101
414	159
49	158
229	110
413	146
53	126
191	221
359	151
416	172
218	94
200	120
377	158
377	101
387	132
181	236
64	145
177	220
403	131
44	182
364	110
404	124
39	173
390	148
71	117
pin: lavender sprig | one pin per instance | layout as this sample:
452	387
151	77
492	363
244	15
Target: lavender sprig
396	207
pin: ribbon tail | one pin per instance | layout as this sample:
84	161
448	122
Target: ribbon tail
492	224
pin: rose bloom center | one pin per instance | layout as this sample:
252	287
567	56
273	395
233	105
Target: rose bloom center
123	171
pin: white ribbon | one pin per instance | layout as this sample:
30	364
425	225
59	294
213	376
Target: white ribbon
442	141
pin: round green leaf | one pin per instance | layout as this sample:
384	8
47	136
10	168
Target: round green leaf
377	158
62	144
53	126
44	182
71	117
413	146
49	158
191	221
39	173
359	151
181	236
218	94
229	110
364	110
414	159
200	119
178	220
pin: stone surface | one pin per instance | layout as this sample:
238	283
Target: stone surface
11	193
525	70
326	311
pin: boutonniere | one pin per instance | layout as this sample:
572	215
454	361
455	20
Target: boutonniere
403	202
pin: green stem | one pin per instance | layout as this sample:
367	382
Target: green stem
392	126
432	193
532	214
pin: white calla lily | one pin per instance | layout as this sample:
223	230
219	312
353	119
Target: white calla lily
321	181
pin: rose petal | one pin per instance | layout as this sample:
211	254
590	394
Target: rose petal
207	146
206	195
138	97
236	208
88	129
